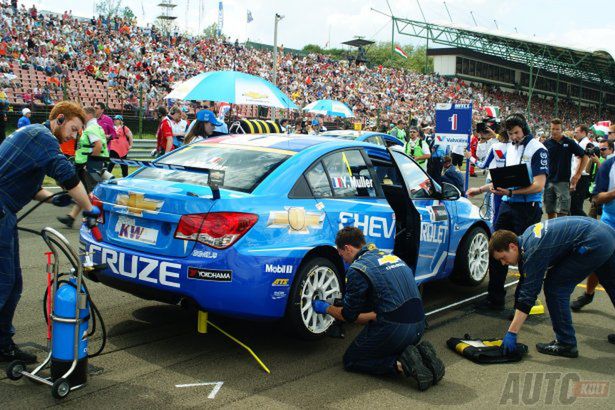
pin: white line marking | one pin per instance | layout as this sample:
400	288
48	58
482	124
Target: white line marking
214	391
461	302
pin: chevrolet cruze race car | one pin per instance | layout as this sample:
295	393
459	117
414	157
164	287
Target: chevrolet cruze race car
244	225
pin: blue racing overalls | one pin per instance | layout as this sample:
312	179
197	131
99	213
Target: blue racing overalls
382	283
26	157
565	250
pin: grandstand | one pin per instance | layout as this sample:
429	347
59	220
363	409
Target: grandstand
55	56
518	64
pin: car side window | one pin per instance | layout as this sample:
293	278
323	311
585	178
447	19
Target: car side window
375	140
317	178
417	182
349	174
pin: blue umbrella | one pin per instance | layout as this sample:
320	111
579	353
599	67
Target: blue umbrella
233	87
332	108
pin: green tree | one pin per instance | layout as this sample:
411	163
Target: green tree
109	8
313	48
211	31
127	13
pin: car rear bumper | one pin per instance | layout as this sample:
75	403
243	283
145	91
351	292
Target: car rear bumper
224	282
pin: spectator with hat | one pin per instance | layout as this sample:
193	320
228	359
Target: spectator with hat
25	118
204	127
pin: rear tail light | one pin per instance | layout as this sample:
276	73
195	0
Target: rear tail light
99	204
216	229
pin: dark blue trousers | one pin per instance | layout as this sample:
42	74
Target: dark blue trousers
515	217
376	349
562	278
10	277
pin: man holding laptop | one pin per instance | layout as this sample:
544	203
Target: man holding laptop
521	183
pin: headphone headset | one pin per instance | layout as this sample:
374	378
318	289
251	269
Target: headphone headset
524	125
60	119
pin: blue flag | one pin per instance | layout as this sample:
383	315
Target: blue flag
249	16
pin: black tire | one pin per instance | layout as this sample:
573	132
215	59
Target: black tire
14	369
294	318
60	388
467	258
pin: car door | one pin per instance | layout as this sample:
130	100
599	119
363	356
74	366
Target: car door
346	186
435	218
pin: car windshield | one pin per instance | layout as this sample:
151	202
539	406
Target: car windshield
244	167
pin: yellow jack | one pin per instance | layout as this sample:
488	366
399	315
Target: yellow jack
538	308
201	324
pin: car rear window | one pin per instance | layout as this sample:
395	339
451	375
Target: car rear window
244	167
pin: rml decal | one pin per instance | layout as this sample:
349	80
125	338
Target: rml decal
139	267
374	226
433	233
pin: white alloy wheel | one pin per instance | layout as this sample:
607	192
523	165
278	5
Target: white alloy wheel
478	257
321	283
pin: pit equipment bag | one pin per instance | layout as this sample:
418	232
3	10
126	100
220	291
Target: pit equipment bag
485	351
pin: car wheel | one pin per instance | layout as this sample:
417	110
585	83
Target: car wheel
318	278
472	260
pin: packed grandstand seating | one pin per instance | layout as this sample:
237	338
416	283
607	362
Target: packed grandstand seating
48	57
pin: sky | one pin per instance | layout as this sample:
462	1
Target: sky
583	25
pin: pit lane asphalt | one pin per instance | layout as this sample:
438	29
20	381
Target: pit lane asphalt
153	347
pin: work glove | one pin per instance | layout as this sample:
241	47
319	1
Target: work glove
91	216
509	343
62	200
320	306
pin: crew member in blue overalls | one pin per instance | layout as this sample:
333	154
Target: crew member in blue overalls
26	157
521	206
561	252
382	294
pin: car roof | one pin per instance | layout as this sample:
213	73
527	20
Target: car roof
286	142
351	133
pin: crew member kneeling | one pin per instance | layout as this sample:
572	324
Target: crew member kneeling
382	294
562	252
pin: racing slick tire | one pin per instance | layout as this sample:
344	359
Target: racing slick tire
472	260
318	278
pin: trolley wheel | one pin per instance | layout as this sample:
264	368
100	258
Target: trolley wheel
14	369
60	388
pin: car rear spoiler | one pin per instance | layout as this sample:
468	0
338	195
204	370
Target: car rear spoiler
215	177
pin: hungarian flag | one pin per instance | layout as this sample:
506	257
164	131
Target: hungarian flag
601	128
492	111
401	52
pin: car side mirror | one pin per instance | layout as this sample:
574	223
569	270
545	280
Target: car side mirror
450	192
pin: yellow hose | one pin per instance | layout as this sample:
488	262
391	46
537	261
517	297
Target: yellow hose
242	345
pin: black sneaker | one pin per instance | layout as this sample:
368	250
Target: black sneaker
8	354
431	360
413	367
557	349
581	301
67	220
487	304
611	338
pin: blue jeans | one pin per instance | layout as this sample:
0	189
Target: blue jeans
564	277
376	349
10	277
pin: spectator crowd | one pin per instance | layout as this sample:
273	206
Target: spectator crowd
130	59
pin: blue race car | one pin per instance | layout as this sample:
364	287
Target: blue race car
244	225
378	138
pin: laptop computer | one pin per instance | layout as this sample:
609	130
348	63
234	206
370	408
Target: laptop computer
509	177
